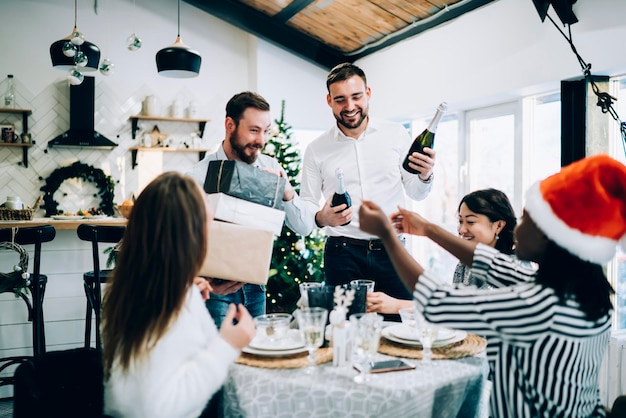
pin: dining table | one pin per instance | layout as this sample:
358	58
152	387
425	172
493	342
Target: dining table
452	385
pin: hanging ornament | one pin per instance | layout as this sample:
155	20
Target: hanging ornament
80	59
106	67
133	42
299	245
77	38
75	77
69	49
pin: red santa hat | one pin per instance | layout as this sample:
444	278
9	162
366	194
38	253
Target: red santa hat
583	207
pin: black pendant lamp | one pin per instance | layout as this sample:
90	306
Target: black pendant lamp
74	51
178	60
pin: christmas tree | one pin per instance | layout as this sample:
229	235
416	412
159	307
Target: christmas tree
295	259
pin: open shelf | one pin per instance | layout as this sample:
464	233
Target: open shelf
133	150
25	113
135	122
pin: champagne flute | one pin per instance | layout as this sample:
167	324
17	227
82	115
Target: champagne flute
312	323
366	328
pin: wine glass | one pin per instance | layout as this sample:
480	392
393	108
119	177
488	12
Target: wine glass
369	284
304	292
428	334
409	319
312	323
366	328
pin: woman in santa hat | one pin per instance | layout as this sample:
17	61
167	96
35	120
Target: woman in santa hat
547	331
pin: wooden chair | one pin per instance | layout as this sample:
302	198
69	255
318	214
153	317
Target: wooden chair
35	235
93	279
618	410
66	383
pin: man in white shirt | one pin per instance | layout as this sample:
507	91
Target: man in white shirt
371	153
247	128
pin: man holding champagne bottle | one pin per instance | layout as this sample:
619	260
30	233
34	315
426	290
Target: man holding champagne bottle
370	153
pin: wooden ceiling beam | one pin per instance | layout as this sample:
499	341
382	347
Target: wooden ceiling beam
265	27
290	11
352	31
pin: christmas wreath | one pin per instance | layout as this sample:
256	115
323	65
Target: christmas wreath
83	171
16	281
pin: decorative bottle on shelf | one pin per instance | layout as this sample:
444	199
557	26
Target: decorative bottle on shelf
426	138
341	195
9	96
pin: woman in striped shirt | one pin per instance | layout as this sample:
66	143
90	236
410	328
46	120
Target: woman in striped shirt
547	330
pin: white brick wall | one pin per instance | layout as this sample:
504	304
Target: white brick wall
50	117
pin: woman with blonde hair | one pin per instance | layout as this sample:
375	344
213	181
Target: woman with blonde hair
162	354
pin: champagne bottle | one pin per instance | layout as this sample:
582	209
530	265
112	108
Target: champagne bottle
426	138
341	196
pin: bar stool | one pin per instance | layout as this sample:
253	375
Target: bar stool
92	280
35	235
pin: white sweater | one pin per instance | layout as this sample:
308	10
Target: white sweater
180	374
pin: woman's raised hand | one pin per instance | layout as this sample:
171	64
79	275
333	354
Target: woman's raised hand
238	327
374	221
407	222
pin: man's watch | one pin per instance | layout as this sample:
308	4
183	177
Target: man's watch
429	179
315	219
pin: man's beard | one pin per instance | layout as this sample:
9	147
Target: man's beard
352	125
240	150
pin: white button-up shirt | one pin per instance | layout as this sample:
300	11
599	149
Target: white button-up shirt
372	166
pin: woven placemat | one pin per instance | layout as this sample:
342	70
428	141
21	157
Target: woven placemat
293	361
470	346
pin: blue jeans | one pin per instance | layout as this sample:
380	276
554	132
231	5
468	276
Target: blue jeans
348	259
252	296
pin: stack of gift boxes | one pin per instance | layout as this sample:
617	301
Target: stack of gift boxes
247	206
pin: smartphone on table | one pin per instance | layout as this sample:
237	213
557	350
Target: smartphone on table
387	366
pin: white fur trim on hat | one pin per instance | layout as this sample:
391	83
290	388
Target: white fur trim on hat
596	249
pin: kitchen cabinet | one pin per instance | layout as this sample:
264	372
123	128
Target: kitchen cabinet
24	113
135	122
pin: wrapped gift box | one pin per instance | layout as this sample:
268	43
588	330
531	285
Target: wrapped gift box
238	253
242	212
246	182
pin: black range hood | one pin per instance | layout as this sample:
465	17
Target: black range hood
82	109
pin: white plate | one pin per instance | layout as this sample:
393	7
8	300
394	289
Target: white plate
404	332
456	337
95	217
292	341
273	353
67	218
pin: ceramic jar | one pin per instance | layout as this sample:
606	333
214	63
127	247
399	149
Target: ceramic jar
151	106
13	202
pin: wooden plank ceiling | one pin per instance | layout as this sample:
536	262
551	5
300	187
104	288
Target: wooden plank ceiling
327	32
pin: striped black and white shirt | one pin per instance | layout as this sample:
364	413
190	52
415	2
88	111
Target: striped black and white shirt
545	355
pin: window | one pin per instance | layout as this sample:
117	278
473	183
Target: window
507	147
616	270
441	204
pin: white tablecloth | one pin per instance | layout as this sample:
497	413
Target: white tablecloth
446	388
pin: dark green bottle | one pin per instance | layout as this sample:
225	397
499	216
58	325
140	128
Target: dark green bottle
341	195
426	138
